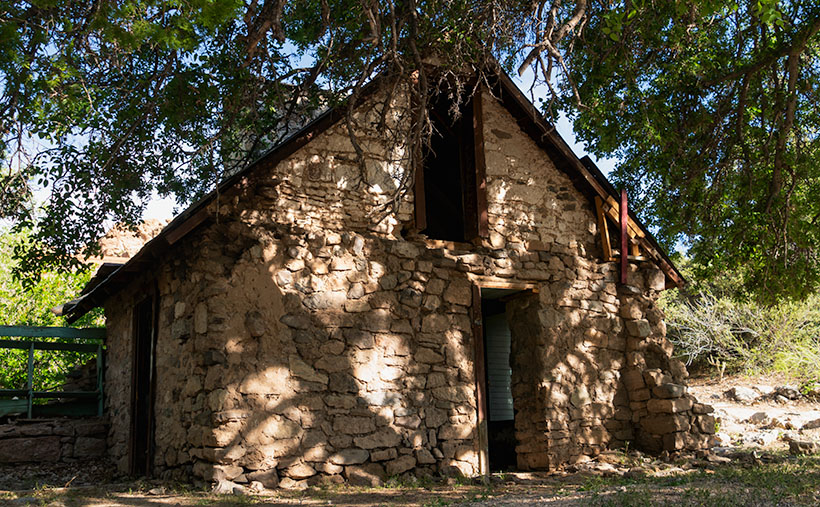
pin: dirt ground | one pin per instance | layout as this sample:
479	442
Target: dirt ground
752	466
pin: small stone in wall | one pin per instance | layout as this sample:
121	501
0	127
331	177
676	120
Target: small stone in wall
638	328
284	278
424	457
670	406
383	454
669	391
201	318
459	293
381	438
299	471
27	449
255	324
400	465
580	397
350	456
435	323
300	369
356	291
371	475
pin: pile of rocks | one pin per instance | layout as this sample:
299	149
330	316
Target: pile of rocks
765	416
761	393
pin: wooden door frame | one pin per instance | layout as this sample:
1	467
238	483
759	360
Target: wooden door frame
480	360
153	296
479	370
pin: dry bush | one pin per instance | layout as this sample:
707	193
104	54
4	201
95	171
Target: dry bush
746	336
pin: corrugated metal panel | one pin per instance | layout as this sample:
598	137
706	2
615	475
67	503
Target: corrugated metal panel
499	373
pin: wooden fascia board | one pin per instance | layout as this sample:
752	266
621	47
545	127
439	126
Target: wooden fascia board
603	229
612	209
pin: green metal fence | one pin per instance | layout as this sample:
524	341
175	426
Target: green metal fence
93	343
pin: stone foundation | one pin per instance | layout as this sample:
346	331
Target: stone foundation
52	441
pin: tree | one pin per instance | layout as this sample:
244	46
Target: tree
31	306
711	107
707	104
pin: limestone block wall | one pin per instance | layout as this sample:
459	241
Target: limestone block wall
338	357
118	350
323	186
53	440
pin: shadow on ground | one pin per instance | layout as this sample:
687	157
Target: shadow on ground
748	478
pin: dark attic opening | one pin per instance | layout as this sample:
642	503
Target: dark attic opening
450	206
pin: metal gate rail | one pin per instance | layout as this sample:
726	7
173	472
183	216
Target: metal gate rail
96	335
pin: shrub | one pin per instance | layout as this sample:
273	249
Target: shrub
746	336
22	305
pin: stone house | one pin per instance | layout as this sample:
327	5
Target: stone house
277	331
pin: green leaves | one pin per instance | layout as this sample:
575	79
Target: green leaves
710	105
30	305
695	99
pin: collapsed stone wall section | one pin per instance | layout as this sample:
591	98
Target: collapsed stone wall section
666	417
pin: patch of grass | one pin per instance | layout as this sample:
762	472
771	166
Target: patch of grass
400	482
639	497
783	480
438	502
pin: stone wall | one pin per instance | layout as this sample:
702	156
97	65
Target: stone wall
301	342
665	416
52	441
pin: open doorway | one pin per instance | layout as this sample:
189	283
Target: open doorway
500	410
141	441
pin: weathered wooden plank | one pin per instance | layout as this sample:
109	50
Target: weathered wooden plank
480	165
75	408
604	229
187	226
13	407
612	209
624	220
66	394
101	398
30	377
480	381
13	392
25	345
491	282
68	333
